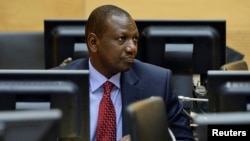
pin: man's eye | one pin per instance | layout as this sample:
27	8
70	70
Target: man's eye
121	38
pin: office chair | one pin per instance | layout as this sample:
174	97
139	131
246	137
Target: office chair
147	120
235	65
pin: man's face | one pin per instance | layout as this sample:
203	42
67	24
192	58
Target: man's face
117	47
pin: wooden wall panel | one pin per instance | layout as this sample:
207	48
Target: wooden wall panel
28	15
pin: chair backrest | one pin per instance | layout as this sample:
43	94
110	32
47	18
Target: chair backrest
147	120
235	65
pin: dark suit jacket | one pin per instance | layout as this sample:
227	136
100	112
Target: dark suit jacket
145	80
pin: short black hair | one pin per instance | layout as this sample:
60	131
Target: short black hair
96	22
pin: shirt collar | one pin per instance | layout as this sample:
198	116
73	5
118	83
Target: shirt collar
97	79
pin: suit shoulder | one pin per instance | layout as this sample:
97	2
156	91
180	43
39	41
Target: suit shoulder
76	64
146	67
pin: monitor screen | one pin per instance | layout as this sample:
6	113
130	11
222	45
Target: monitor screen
30	125
221	126
228	91
67	90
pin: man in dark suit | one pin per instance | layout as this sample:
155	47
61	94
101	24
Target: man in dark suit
111	37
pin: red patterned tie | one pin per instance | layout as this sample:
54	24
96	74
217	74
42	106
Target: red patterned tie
106	128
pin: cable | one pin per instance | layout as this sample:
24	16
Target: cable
171	134
187	114
183	98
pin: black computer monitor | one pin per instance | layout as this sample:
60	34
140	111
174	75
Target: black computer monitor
63	38
21	50
187	47
67	90
30	125
221	126
228	91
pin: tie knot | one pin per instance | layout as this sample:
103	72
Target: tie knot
108	86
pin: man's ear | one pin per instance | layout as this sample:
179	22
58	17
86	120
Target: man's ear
92	42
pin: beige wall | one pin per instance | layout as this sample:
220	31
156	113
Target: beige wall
29	14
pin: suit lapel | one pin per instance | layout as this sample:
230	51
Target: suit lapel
130	93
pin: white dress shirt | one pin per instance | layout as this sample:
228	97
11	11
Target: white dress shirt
96	93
